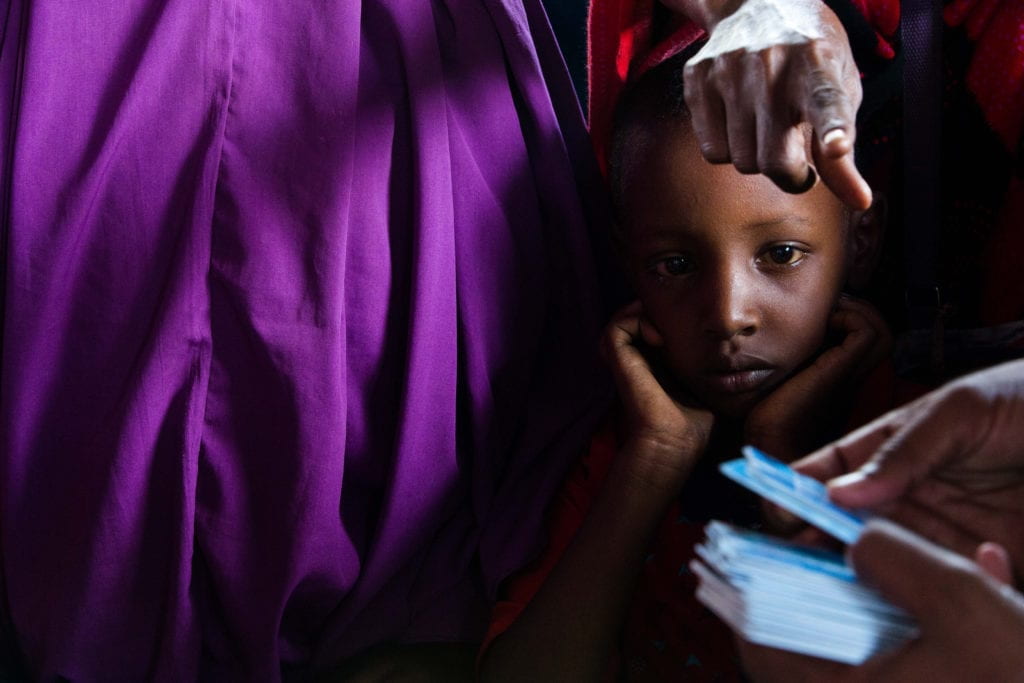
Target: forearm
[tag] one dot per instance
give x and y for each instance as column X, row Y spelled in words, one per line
column 571, row 626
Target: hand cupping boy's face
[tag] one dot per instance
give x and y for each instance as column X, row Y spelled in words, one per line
column 739, row 278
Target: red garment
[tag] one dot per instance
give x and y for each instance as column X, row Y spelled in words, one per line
column 996, row 73
column 995, row 77
column 667, row 634
column 622, row 45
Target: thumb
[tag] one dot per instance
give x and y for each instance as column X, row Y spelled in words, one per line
column 922, row 578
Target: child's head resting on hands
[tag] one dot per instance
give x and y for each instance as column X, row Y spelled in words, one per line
column 737, row 278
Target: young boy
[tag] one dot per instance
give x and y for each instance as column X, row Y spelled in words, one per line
column 741, row 334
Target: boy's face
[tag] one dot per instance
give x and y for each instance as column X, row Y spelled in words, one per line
column 737, row 276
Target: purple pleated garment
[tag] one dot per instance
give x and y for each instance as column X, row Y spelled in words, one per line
column 300, row 311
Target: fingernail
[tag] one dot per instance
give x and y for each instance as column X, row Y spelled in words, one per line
column 834, row 135
column 845, row 480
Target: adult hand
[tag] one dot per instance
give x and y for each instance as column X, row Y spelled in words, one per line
column 669, row 434
column 949, row 465
column 799, row 415
column 971, row 624
column 768, row 67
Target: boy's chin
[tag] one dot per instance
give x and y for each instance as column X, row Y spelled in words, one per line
column 732, row 406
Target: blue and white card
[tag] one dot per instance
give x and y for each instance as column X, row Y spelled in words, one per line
column 803, row 496
column 784, row 595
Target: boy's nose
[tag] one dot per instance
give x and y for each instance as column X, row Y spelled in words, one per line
column 732, row 306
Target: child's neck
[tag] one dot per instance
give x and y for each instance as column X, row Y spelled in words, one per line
column 710, row 495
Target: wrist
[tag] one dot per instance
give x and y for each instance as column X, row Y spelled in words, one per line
column 655, row 465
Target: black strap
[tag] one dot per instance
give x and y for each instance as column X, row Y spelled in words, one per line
column 921, row 34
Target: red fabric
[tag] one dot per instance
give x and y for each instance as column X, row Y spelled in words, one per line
column 884, row 16
column 995, row 77
column 668, row 634
column 996, row 74
column 567, row 513
column 621, row 47
column 1004, row 286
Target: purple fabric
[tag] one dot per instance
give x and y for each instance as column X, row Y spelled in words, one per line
column 299, row 322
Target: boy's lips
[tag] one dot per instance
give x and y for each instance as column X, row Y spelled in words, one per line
column 739, row 382
column 738, row 375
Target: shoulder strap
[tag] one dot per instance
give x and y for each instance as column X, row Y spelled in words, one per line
column 921, row 35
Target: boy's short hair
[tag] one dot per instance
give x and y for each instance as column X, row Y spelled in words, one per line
column 659, row 95
column 656, row 96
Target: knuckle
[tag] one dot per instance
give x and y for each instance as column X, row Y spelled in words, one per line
column 694, row 98
column 776, row 165
column 700, row 61
column 788, row 180
column 826, row 95
column 779, row 161
column 715, row 152
column 717, row 157
column 614, row 333
column 745, row 163
column 724, row 75
column 962, row 396
column 760, row 66
column 822, row 52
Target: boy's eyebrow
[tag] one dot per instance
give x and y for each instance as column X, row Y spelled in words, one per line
column 788, row 218
column 672, row 233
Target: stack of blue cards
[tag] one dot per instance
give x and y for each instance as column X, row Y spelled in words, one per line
column 788, row 596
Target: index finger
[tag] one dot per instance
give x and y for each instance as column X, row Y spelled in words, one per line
column 830, row 105
column 841, row 176
column 932, row 432
column 848, row 453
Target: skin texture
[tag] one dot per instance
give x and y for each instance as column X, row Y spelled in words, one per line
column 972, row 625
column 740, row 284
column 769, row 66
column 815, row 86
column 949, row 465
column 762, row 271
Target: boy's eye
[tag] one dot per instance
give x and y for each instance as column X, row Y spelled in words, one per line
column 674, row 266
column 785, row 255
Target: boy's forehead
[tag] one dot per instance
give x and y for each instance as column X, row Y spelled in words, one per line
column 668, row 183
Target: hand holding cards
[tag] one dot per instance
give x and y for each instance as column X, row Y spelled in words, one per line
column 788, row 596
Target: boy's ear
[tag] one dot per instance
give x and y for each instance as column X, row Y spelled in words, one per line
column 867, row 228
